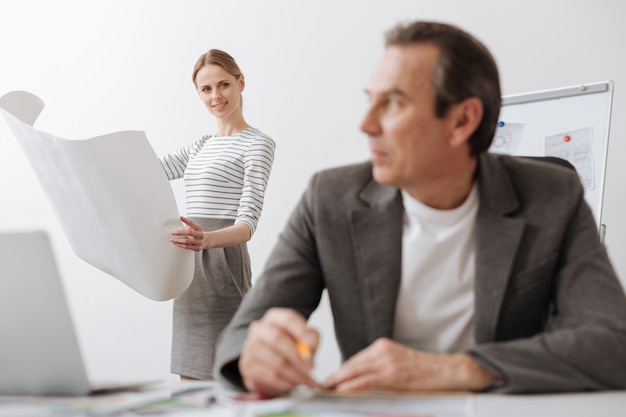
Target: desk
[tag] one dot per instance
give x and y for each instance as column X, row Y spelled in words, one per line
column 601, row 404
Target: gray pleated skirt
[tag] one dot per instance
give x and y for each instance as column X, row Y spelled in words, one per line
column 221, row 279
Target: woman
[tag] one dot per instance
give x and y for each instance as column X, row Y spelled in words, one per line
column 225, row 179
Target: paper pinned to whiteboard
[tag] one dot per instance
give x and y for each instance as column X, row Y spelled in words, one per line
column 507, row 138
column 112, row 199
column 575, row 146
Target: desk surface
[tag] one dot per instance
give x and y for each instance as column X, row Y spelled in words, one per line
column 603, row 404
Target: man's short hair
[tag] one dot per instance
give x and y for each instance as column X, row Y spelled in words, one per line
column 465, row 69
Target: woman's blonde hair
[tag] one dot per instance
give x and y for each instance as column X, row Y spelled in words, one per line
column 216, row 57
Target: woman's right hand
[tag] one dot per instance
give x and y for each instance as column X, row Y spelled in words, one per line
column 191, row 237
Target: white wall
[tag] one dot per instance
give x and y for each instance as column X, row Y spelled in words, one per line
column 104, row 66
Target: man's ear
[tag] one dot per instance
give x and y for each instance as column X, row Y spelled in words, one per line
column 465, row 118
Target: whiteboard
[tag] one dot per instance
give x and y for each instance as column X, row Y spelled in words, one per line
column 571, row 123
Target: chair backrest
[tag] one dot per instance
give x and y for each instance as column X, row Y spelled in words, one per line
column 553, row 159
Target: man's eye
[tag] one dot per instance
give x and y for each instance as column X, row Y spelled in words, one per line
column 392, row 104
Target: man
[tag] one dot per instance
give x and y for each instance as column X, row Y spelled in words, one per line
column 442, row 262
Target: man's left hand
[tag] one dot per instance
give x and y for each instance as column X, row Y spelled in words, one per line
column 386, row 364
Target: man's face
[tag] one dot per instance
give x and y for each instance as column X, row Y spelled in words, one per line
column 408, row 143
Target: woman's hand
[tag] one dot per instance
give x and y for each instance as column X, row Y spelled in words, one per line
column 191, row 237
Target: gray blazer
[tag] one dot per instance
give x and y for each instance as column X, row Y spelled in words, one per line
column 537, row 250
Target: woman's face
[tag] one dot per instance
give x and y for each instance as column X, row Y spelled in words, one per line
column 219, row 91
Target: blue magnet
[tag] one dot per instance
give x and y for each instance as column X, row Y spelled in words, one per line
column 500, row 123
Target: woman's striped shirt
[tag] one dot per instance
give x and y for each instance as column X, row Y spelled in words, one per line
column 225, row 177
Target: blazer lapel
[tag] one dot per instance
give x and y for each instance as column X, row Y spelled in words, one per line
column 377, row 234
column 497, row 241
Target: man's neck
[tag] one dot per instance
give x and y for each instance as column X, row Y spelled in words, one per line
column 449, row 192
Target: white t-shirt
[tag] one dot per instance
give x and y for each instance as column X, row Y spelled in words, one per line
column 435, row 308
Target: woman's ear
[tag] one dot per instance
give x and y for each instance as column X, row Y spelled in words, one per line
column 465, row 118
column 242, row 82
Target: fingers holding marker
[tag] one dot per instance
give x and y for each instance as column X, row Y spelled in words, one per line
column 304, row 350
column 305, row 338
column 266, row 370
column 277, row 354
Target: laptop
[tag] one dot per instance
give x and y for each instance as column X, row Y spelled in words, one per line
column 39, row 349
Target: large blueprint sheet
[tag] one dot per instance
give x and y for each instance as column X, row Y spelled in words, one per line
column 112, row 199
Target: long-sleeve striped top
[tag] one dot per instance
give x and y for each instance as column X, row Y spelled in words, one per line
column 225, row 177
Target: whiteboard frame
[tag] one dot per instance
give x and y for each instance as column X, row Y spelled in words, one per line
column 577, row 90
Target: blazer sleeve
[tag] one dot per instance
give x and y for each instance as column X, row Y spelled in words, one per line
column 588, row 351
column 292, row 278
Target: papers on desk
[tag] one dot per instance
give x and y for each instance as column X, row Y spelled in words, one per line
column 183, row 399
column 112, row 198
column 202, row 398
column 98, row 405
column 306, row 403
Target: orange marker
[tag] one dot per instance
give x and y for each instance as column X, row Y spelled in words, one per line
column 303, row 350
column 567, row 138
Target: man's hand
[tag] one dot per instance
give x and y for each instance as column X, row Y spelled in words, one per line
column 389, row 365
column 271, row 363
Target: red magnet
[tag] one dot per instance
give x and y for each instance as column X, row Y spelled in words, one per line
column 567, row 138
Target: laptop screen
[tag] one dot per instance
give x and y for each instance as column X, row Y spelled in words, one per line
column 39, row 349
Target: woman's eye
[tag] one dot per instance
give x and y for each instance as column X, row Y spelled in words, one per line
column 224, row 85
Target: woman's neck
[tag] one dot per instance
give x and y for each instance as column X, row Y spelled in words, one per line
column 231, row 127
